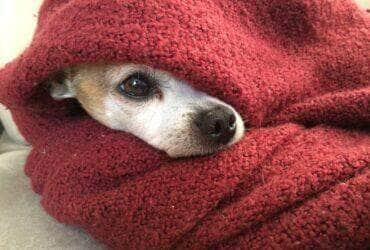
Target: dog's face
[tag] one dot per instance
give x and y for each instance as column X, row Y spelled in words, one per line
column 160, row 109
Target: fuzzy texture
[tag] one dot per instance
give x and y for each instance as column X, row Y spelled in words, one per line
column 296, row 70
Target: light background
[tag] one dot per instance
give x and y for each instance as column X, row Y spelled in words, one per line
column 17, row 22
column 18, row 19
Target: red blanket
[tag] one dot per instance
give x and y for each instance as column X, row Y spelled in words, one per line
column 296, row 70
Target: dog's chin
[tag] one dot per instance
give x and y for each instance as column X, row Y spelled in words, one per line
column 188, row 152
column 198, row 147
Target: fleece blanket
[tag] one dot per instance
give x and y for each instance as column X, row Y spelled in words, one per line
column 298, row 73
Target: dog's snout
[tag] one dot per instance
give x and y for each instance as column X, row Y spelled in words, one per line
column 217, row 124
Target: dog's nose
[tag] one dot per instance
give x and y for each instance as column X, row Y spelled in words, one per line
column 217, row 124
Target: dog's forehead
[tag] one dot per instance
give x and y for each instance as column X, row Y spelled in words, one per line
column 89, row 73
column 116, row 73
column 107, row 75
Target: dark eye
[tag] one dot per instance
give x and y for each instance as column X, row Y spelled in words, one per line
column 136, row 86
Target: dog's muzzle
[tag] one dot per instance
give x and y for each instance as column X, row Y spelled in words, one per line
column 217, row 125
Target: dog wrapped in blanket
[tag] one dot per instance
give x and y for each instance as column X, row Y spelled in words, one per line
column 296, row 71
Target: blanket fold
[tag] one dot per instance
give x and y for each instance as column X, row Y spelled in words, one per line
column 296, row 70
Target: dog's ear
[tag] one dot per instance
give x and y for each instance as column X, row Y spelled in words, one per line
column 61, row 85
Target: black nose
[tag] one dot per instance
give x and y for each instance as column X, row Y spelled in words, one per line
column 217, row 124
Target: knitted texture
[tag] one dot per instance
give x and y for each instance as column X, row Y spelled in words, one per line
column 296, row 70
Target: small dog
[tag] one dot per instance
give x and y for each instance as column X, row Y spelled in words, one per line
column 153, row 105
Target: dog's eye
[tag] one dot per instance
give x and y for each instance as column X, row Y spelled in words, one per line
column 136, row 86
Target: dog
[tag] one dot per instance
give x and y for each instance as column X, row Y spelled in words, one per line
column 162, row 110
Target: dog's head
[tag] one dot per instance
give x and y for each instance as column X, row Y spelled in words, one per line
column 153, row 105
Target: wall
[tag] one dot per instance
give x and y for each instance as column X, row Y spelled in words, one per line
column 17, row 21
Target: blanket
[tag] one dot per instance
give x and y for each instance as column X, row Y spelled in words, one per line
column 296, row 70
